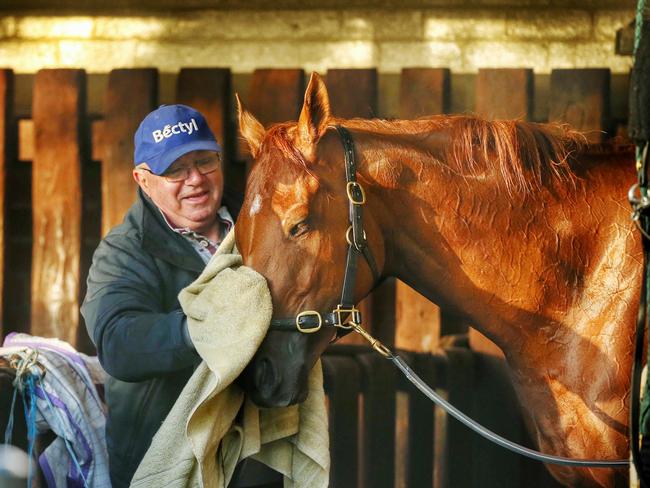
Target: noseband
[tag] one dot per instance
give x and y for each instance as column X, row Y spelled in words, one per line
column 345, row 316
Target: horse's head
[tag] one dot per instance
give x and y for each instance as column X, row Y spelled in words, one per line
column 292, row 229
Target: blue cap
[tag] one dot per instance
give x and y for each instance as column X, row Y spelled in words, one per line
column 169, row 132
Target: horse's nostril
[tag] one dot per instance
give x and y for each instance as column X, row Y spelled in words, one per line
column 266, row 377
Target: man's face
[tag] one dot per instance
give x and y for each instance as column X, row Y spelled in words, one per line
column 192, row 202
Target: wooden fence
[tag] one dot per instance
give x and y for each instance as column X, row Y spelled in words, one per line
column 65, row 180
column 385, row 434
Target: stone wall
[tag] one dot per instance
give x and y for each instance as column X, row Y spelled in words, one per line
column 461, row 39
column 463, row 36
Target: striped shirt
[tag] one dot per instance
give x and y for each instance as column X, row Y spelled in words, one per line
column 204, row 246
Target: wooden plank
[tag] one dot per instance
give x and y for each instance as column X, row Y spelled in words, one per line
column 378, row 384
column 384, row 310
column 457, row 459
column 7, row 155
column 417, row 321
column 580, row 97
column 208, row 90
column 91, row 232
column 18, row 247
column 424, row 91
column 96, row 139
column 59, row 105
column 352, row 92
column 26, row 140
column 123, row 114
column 496, row 407
column 342, row 383
column 275, row 95
column 421, row 427
column 504, row 93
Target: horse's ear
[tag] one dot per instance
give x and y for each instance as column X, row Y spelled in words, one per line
column 315, row 113
column 251, row 130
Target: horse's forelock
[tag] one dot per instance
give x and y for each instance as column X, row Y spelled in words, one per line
column 277, row 154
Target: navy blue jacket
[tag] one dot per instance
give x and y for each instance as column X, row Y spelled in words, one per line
column 134, row 318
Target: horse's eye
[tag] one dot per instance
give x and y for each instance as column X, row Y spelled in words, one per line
column 299, row 229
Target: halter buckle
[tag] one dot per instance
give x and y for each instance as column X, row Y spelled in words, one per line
column 309, row 313
column 350, row 188
column 348, row 322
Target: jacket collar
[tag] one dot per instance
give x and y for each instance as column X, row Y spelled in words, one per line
column 159, row 240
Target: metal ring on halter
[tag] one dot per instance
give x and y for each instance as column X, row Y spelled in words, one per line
column 349, row 188
column 351, row 319
column 347, row 238
column 635, row 197
column 307, row 313
column 639, row 203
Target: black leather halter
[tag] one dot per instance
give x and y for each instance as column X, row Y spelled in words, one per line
column 345, row 314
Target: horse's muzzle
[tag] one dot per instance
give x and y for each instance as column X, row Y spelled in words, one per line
column 266, row 386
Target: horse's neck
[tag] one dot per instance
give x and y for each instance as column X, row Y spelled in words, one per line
column 515, row 265
column 552, row 278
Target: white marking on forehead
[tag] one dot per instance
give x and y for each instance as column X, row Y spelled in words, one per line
column 256, row 206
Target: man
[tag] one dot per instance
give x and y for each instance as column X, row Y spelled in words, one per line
column 131, row 308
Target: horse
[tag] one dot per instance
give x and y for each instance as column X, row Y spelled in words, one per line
column 521, row 228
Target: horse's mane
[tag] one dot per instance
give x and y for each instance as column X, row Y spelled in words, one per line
column 525, row 155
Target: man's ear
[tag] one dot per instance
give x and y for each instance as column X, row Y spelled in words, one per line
column 314, row 116
column 142, row 179
column 251, row 130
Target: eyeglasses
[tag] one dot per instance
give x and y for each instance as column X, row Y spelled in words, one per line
column 181, row 173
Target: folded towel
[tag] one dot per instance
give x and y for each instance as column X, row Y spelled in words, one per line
column 203, row 437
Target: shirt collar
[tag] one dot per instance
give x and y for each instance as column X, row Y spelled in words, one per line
column 223, row 216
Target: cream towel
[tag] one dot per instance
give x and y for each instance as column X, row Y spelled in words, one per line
column 199, row 443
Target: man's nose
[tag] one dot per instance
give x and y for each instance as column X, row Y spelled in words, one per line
column 194, row 175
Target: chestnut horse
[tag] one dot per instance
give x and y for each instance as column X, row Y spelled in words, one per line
column 519, row 227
